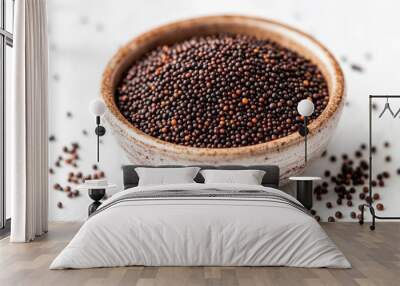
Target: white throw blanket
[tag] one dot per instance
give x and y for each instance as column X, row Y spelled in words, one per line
column 200, row 230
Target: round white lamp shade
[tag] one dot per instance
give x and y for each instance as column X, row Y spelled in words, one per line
column 305, row 107
column 97, row 107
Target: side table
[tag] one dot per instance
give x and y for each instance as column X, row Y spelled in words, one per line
column 304, row 190
column 96, row 193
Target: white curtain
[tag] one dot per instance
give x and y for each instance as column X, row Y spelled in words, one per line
column 27, row 122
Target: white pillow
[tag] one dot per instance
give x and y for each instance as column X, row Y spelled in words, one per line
column 248, row 177
column 165, row 176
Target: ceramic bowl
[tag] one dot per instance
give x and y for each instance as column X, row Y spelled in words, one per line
column 286, row 152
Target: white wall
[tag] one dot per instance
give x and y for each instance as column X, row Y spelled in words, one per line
column 84, row 34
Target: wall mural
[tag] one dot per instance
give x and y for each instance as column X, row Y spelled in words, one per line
column 222, row 96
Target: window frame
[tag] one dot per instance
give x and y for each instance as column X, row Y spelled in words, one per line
column 6, row 39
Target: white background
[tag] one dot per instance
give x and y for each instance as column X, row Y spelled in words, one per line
column 84, row 34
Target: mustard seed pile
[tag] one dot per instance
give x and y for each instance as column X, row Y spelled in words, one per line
column 220, row 91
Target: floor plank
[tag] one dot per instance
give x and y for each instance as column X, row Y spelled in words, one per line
column 375, row 257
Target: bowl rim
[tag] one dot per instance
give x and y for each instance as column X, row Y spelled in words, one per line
column 332, row 107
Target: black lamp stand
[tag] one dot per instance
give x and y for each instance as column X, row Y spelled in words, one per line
column 100, row 131
column 96, row 195
column 304, row 193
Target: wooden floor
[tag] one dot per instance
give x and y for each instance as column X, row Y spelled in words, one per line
column 375, row 257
